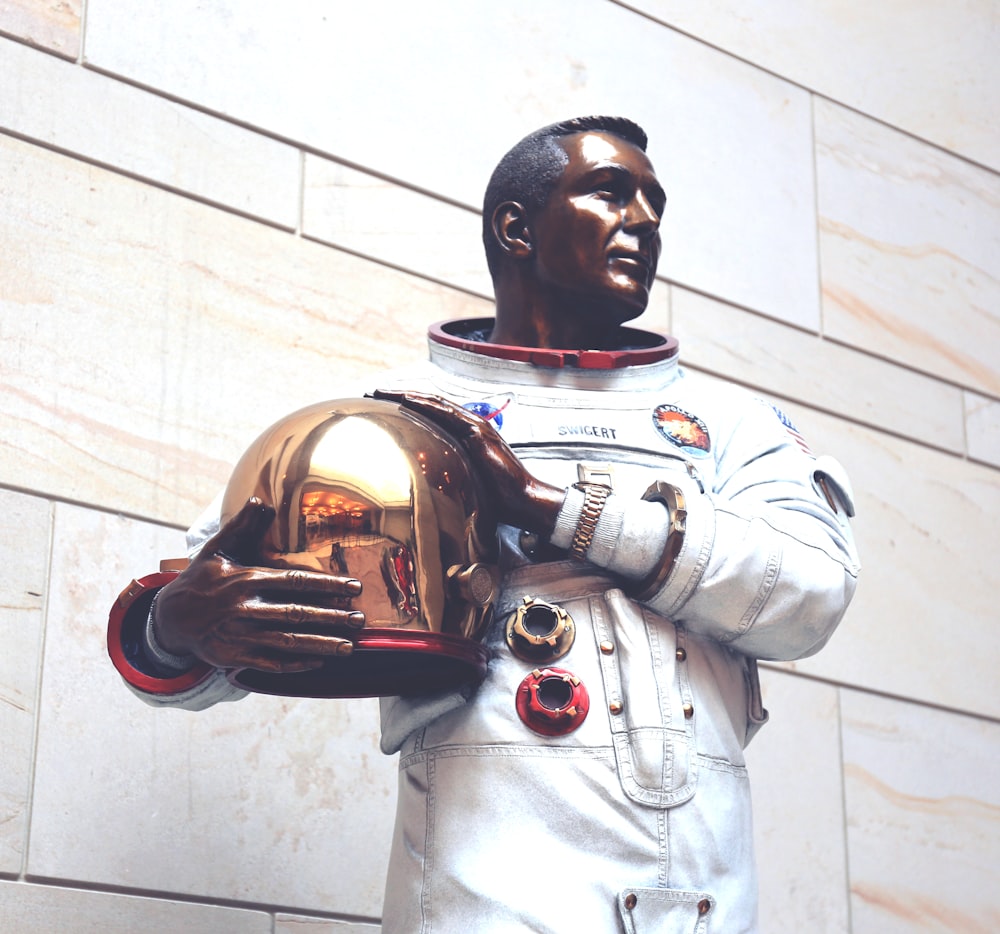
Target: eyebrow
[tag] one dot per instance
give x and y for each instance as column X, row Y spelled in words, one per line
column 616, row 168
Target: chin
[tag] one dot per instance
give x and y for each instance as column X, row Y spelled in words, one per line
column 607, row 315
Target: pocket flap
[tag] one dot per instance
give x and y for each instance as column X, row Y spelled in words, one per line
column 665, row 911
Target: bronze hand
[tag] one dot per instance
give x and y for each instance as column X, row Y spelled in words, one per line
column 235, row 616
column 521, row 499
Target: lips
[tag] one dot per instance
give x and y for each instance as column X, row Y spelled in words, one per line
column 639, row 260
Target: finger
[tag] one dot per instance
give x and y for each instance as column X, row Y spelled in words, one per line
column 298, row 582
column 297, row 617
column 297, row 643
column 241, row 534
column 427, row 404
column 461, row 424
column 284, row 666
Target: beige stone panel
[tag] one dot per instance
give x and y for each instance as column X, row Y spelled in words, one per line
column 101, row 119
column 788, row 362
column 294, row 924
column 923, row 817
column 929, row 68
column 923, row 623
column 909, row 250
column 265, row 801
column 431, row 101
column 378, row 218
column 44, row 909
column 795, row 773
column 148, row 338
column 51, row 24
column 982, row 427
column 25, row 527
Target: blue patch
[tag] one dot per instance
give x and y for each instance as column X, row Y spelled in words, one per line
column 488, row 411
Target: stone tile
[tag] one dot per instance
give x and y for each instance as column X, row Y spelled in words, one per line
column 148, row 339
column 50, row 24
column 99, row 118
column 266, row 801
column 929, row 68
column 910, row 250
column 733, row 144
column 43, row 909
column 788, row 362
column 294, row 924
column 25, row 527
column 923, row 623
column 385, row 221
column 982, row 428
column 923, row 829
column 795, row 773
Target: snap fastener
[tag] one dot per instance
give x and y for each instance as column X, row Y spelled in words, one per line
column 608, row 648
column 616, row 707
column 681, row 654
column 704, row 906
column 630, row 901
column 688, row 711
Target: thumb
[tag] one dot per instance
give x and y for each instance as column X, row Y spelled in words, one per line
column 239, row 538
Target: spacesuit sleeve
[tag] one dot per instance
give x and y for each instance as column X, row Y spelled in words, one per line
column 143, row 664
column 768, row 563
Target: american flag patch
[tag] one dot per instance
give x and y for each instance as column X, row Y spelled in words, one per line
column 792, row 430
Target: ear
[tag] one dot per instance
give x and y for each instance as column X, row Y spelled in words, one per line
column 510, row 227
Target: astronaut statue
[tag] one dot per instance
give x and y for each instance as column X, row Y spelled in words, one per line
column 657, row 537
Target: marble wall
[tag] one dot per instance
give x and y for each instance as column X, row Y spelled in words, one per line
column 211, row 214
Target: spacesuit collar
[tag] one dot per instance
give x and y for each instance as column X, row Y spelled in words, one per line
column 461, row 347
column 638, row 347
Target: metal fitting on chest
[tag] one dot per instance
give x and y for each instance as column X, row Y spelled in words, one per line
column 538, row 631
column 552, row 701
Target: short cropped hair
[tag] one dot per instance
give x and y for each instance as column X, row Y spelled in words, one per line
column 529, row 171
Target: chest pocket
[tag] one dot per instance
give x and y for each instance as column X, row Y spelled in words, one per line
column 646, row 684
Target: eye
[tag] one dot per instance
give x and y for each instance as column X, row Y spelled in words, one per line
column 609, row 189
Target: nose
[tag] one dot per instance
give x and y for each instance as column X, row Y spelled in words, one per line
column 640, row 215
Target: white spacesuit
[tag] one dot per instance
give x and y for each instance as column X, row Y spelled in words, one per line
column 623, row 804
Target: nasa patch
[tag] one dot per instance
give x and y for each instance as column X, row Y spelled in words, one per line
column 489, row 411
column 683, row 430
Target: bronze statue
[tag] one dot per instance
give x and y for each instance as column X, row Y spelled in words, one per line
column 657, row 536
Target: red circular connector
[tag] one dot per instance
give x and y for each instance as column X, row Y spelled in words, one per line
column 552, row 701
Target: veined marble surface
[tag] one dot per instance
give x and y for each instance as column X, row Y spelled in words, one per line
column 923, row 622
column 149, row 339
column 267, row 800
column 54, row 25
column 784, row 361
column 39, row 909
column 25, row 531
column 103, row 120
column 377, row 218
column 983, row 428
column 923, row 817
column 798, row 801
column 930, row 68
column 731, row 142
column 909, row 250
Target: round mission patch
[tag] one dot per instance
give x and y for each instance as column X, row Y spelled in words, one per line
column 683, row 430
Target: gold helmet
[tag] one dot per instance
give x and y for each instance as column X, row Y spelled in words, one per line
column 363, row 488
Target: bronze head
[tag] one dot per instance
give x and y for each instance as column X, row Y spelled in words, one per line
column 570, row 224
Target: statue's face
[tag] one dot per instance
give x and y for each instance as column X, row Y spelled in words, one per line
column 597, row 238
